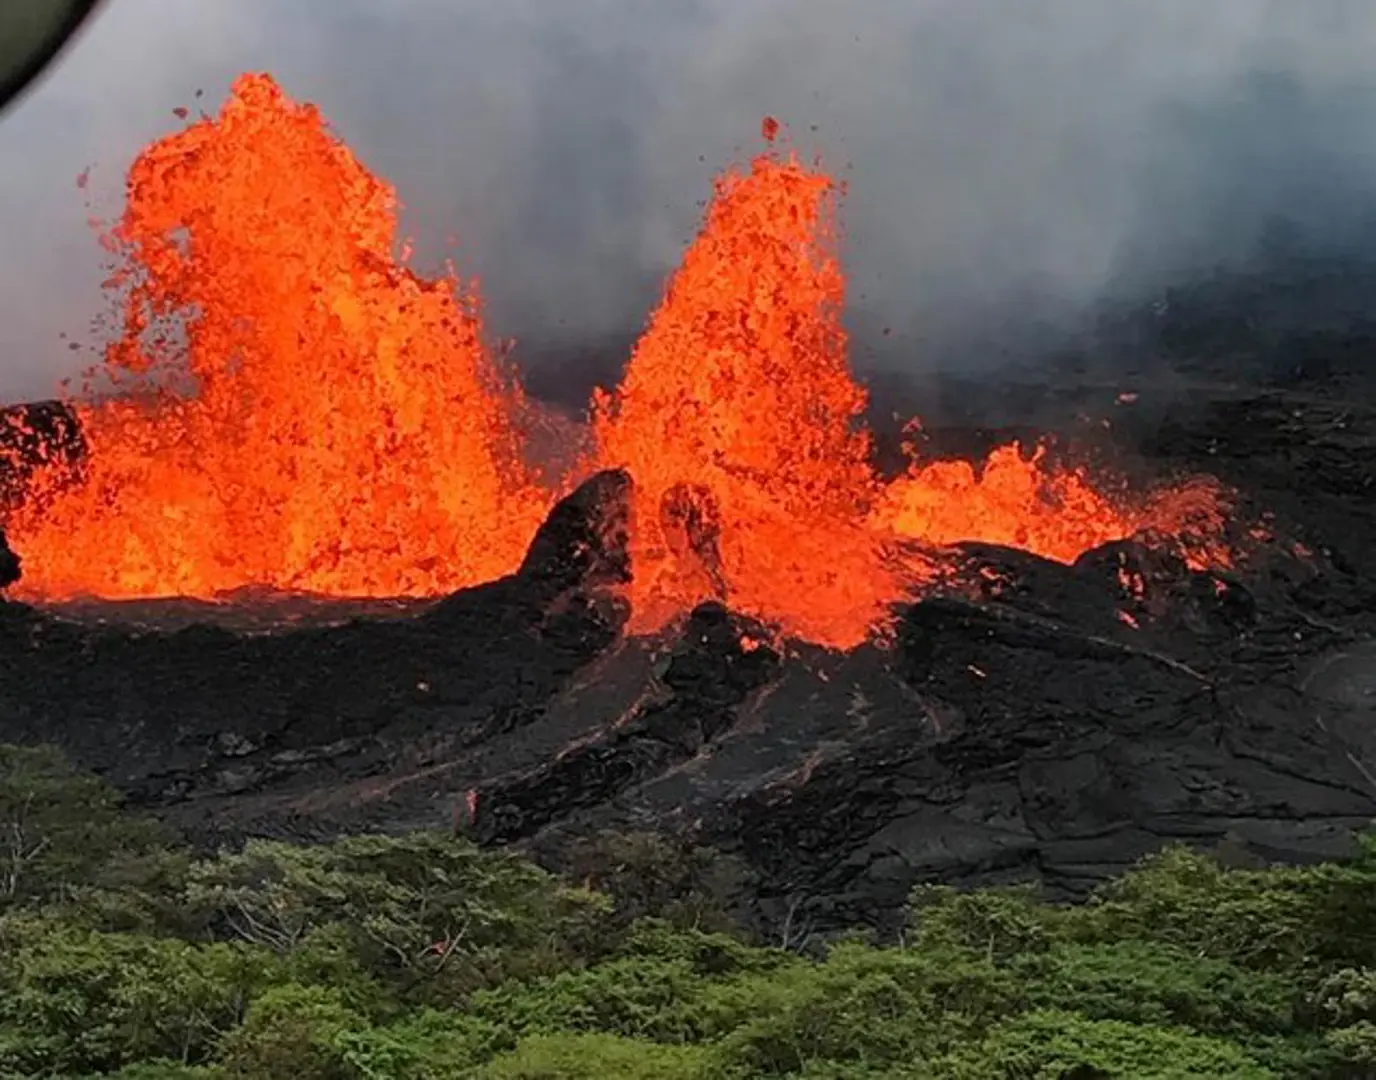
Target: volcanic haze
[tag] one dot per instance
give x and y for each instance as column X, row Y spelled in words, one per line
column 1007, row 169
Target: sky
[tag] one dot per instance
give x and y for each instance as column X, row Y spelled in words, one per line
column 1009, row 164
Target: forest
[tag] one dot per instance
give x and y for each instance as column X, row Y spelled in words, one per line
column 127, row 952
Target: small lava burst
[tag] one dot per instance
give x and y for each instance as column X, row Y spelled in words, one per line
column 290, row 407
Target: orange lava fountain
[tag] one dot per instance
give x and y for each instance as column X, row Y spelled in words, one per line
column 346, row 432
column 739, row 395
column 324, row 420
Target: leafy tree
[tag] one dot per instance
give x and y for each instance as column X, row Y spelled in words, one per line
column 429, row 911
column 167, row 1070
column 1347, row 1001
column 73, row 1000
column 293, row 1032
column 424, row 1044
column 1284, row 918
column 1146, row 983
column 657, row 986
column 637, row 998
column 650, row 875
column 707, row 953
column 61, row 829
column 1054, row 1044
column 1353, row 1047
column 421, row 957
column 999, row 922
column 862, row 1006
column 597, row 1057
column 1348, row 996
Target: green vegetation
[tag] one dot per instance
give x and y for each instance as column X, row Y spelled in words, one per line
column 122, row 953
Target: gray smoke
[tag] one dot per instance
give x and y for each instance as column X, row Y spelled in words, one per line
column 1011, row 164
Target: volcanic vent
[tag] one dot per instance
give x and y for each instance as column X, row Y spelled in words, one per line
column 720, row 618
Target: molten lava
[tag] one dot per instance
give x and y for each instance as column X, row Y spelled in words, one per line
column 1020, row 500
column 741, row 387
column 299, row 411
column 319, row 418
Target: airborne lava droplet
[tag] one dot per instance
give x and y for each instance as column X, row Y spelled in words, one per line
column 297, row 410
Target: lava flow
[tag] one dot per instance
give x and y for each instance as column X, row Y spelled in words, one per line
column 313, row 416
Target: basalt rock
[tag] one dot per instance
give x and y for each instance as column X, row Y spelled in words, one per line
column 9, row 563
column 583, row 544
column 687, row 706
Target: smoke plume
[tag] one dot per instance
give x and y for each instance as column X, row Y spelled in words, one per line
column 1010, row 166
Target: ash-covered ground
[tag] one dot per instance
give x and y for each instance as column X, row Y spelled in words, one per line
column 1036, row 721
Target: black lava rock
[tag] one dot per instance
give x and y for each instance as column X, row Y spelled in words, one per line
column 9, row 563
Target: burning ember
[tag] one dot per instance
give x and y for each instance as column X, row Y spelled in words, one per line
column 296, row 410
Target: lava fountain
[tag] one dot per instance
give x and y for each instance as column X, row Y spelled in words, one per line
column 297, row 410
column 311, row 415
column 739, row 395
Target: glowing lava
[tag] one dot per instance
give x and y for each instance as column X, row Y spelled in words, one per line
column 1019, row 499
column 740, row 392
column 316, row 417
column 344, row 431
